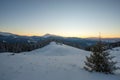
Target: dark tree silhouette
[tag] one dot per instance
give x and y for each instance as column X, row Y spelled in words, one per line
column 100, row 60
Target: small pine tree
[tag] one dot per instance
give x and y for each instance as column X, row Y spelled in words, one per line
column 100, row 60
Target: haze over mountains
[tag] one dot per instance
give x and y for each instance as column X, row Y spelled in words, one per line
column 28, row 43
column 50, row 35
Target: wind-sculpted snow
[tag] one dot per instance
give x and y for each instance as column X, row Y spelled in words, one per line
column 52, row 62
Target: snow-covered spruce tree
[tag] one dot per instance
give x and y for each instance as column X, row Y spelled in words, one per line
column 100, row 60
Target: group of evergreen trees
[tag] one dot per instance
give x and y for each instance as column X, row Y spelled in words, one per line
column 17, row 47
column 28, row 46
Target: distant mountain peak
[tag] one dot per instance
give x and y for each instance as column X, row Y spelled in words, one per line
column 48, row 35
column 6, row 34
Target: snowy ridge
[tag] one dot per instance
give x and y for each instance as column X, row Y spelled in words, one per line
column 57, row 49
column 52, row 62
column 6, row 34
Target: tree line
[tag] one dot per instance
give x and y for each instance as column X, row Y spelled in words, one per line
column 17, row 47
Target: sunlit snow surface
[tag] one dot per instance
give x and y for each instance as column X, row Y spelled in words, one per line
column 52, row 62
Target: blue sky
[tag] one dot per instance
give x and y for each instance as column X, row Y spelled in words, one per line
column 77, row 18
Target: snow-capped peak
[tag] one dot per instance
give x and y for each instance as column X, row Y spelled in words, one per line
column 6, row 34
column 48, row 35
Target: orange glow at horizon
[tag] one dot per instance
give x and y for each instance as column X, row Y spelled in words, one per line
column 79, row 36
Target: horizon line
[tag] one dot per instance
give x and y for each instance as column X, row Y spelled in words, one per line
column 94, row 37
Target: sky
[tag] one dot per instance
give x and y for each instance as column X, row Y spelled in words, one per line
column 71, row 18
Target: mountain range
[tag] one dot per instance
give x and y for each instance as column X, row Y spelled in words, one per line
column 34, row 42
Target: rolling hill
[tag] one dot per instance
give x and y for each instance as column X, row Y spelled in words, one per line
column 55, row 61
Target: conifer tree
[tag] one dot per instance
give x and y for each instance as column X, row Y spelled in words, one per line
column 100, row 60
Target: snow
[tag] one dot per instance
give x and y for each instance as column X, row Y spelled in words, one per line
column 56, row 49
column 49, row 35
column 52, row 62
column 4, row 41
column 5, row 34
column 116, row 52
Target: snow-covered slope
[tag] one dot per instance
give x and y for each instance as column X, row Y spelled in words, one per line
column 57, row 49
column 52, row 62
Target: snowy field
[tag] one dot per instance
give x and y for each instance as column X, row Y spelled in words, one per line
column 52, row 62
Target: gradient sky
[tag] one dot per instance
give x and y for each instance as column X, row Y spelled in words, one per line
column 77, row 18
